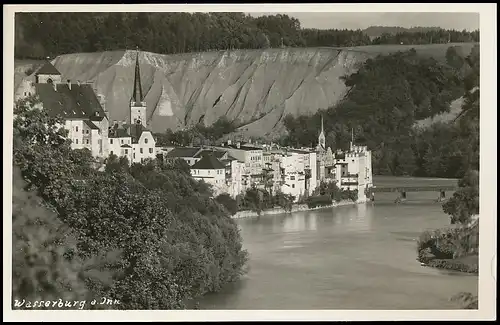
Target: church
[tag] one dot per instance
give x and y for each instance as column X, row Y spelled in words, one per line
column 87, row 120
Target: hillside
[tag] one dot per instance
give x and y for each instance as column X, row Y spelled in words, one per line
column 258, row 88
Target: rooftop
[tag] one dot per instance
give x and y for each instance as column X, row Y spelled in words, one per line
column 208, row 162
column 48, row 68
column 78, row 102
column 216, row 153
column 183, row 152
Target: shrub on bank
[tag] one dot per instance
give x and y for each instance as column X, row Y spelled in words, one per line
column 318, row 201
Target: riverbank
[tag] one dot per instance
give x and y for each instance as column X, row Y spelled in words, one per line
column 295, row 208
column 453, row 248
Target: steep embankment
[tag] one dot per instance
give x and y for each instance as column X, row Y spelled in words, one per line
column 255, row 87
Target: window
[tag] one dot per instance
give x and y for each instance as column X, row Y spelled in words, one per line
column 110, row 141
column 87, row 141
column 76, row 141
column 145, row 140
column 353, row 160
column 122, row 141
column 141, row 150
column 150, row 150
column 209, row 172
column 126, row 151
column 87, row 131
column 111, row 152
column 292, row 178
column 76, row 128
column 293, row 185
column 24, row 93
column 134, row 155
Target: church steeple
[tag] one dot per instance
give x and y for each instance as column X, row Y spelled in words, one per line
column 137, row 94
column 137, row 104
column 321, row 137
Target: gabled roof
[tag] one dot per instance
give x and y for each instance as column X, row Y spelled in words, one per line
column 91, row 125
column 208, row 162
column 47, row 68
column 78, row 102
column 216, row 153
column 183, row 152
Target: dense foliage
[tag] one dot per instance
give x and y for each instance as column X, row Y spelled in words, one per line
column 171, row 241
column 197, row 135
column 386, row 96
column 258, row 200
column 431, row 36
column 38, row 35
column 328, row 192
column 465, row 201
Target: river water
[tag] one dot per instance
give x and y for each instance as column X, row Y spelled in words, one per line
column 351, row 257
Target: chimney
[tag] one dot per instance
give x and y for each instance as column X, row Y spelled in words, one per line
column 69, row 83
column 238, row 145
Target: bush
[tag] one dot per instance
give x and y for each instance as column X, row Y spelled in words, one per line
column 465, row 201
column 228, row 202
column 318, row 201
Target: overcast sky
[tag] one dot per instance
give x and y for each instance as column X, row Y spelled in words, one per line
column 362, row 20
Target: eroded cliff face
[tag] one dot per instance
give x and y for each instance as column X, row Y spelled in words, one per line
column 257, row 88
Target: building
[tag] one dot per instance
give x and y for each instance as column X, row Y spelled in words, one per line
column 210, row 170
column 353, row 170
column 83, row 112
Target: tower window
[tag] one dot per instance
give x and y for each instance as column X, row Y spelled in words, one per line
column 76, row 141
column 87, row 141
column 76, row 128
column 145, row 140
column 141, row 150
column 126, row 151
column 150, row 150
column 110, row 141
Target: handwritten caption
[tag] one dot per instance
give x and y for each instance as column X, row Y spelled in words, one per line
column 59, row 303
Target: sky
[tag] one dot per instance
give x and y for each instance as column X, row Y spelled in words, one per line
column 362, row 20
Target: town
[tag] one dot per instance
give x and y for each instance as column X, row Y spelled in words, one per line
column 229, row 167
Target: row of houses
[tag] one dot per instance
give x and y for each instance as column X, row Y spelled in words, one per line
column 234, row 168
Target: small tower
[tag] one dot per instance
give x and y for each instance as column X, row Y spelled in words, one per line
column 137, row 103
column 321, row 137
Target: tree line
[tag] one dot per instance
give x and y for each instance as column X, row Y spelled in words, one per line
column 386, row 96
column 38, row 35
column 146, row 235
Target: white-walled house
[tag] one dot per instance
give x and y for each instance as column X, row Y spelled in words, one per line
column 83, row 112
column 211, row 171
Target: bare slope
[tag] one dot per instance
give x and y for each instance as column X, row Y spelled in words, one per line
column 255, row 87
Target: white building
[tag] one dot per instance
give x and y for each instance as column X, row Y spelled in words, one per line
column 210, row 170
column 83, row 112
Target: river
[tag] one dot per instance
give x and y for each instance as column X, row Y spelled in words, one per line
column 350, row 257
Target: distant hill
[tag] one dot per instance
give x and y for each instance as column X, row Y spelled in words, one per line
column 255, row 87
column 376, row 31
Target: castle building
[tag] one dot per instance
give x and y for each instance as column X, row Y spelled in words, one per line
column 84, row 113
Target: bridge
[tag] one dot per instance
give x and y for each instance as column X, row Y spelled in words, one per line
column 402, row 190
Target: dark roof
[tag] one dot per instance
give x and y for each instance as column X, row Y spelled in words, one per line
column 208, row 162
column 126, row 146
column 91, row 125
column 246, row 148
column 118, row 133
column 298, row 151
column 182, row 152
column 48, row 68
column 216, row 153
column 135, row 131
column 137, row 93
column 79, row 102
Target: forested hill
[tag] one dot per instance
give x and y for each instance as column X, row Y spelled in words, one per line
column 386, row 96
column 38, row 35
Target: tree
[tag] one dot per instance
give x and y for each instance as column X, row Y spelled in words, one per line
column 465, row 201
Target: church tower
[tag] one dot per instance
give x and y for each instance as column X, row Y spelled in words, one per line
column 137, row 103
column 321, row 138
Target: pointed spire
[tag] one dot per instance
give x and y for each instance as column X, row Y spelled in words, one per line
column 137, row 94
column 322, row 129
